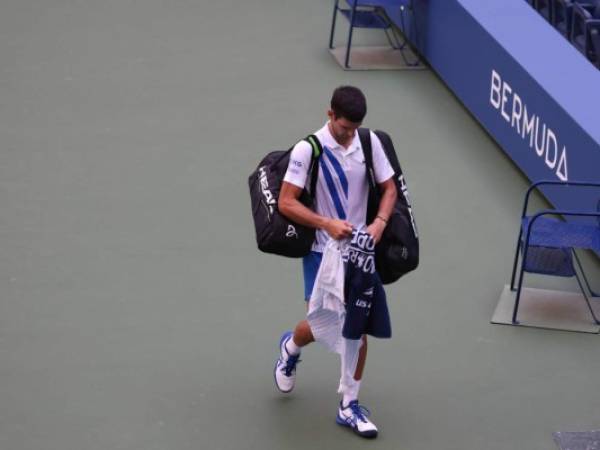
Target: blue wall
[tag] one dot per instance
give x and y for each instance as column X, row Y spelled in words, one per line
column 533, row 92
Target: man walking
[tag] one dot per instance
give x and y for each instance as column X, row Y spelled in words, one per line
column 340, row 206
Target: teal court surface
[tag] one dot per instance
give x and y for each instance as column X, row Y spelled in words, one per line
column 136, row 311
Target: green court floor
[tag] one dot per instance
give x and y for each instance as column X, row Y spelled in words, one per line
column 135, row 310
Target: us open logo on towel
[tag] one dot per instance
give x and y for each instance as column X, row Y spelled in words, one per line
column 363, row 303
column 366, row 303
column 361, row 251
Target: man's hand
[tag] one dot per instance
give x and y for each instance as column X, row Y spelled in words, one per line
column 376, row 229
column 338, row 229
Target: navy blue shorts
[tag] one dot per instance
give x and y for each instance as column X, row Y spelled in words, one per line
column 310, row 266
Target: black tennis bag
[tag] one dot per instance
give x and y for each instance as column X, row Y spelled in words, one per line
column 275, row 233
column 397, row 253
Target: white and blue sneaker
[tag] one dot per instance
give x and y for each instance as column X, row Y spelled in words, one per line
column 355, row 416
column 285, row 366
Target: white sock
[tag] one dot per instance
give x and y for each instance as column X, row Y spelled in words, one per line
column 291, row 347
column 350, row 392
column 349, row 387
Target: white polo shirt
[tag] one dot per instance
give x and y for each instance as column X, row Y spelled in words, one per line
column 342, row 188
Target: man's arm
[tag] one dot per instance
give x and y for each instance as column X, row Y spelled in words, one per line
column 386, row 206
column 290, row 207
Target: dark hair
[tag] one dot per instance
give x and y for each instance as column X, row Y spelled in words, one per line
column 350, row 103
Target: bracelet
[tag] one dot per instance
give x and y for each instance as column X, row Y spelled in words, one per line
column 379, row 217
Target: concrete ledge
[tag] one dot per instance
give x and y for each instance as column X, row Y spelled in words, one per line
column 376, row 58
column 541, row 308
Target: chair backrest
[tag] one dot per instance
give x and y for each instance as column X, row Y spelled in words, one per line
column 544, row 8
column 595, row 44
column 561, row 17
column 584, row 10
column 542, row 4
column 580, row 16
column 587, row 3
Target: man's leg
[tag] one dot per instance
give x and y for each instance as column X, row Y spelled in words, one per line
column 291, row 343
column 290, row 347
column 350, row 413
column 350, row 382
column 303, row 334
column 362, row 360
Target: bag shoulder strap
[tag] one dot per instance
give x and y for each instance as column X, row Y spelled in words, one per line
column 317, row 151
column 364, row 135
column 389, row 150
column 374, row 197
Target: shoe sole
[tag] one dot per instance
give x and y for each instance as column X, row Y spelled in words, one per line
column 284, row 336
column 366, row 434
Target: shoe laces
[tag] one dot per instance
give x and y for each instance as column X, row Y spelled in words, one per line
column 359, row 411
column 290, row 364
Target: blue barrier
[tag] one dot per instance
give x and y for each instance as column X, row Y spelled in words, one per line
column 529, row 88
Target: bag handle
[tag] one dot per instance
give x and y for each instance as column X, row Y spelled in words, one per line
column 314, row 166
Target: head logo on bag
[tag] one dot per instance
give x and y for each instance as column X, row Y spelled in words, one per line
column 276, row 233
column 291, row 232
column 404, row 190
column 397, row 253
column 264, row 185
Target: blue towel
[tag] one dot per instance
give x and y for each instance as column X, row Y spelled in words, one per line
column 366, row 305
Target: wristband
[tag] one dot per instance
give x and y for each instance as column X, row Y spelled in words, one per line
column 379, row 217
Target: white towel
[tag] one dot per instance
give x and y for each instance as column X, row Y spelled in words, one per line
column 326, row 311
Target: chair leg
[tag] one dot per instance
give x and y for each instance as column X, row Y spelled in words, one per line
column 521, row 276
column 402, row 10
column 519, row 288
column 335, row 10
column 587, row 300
column 393, row 39
column 591, row 291
column 404, row 39
column 514, row 271
column 349, row 43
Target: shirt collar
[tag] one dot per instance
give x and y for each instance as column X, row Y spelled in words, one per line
column 330, row 142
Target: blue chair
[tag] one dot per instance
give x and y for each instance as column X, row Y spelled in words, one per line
column 562, row 14
column 544, row 7
column 595, row 41
column 586, row 17
column 385, row 15
column 547, row 245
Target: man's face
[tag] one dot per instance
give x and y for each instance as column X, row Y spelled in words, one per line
column 342, row 129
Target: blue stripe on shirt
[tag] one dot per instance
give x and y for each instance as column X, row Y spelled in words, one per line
column 333, row 191
column 339, row 170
